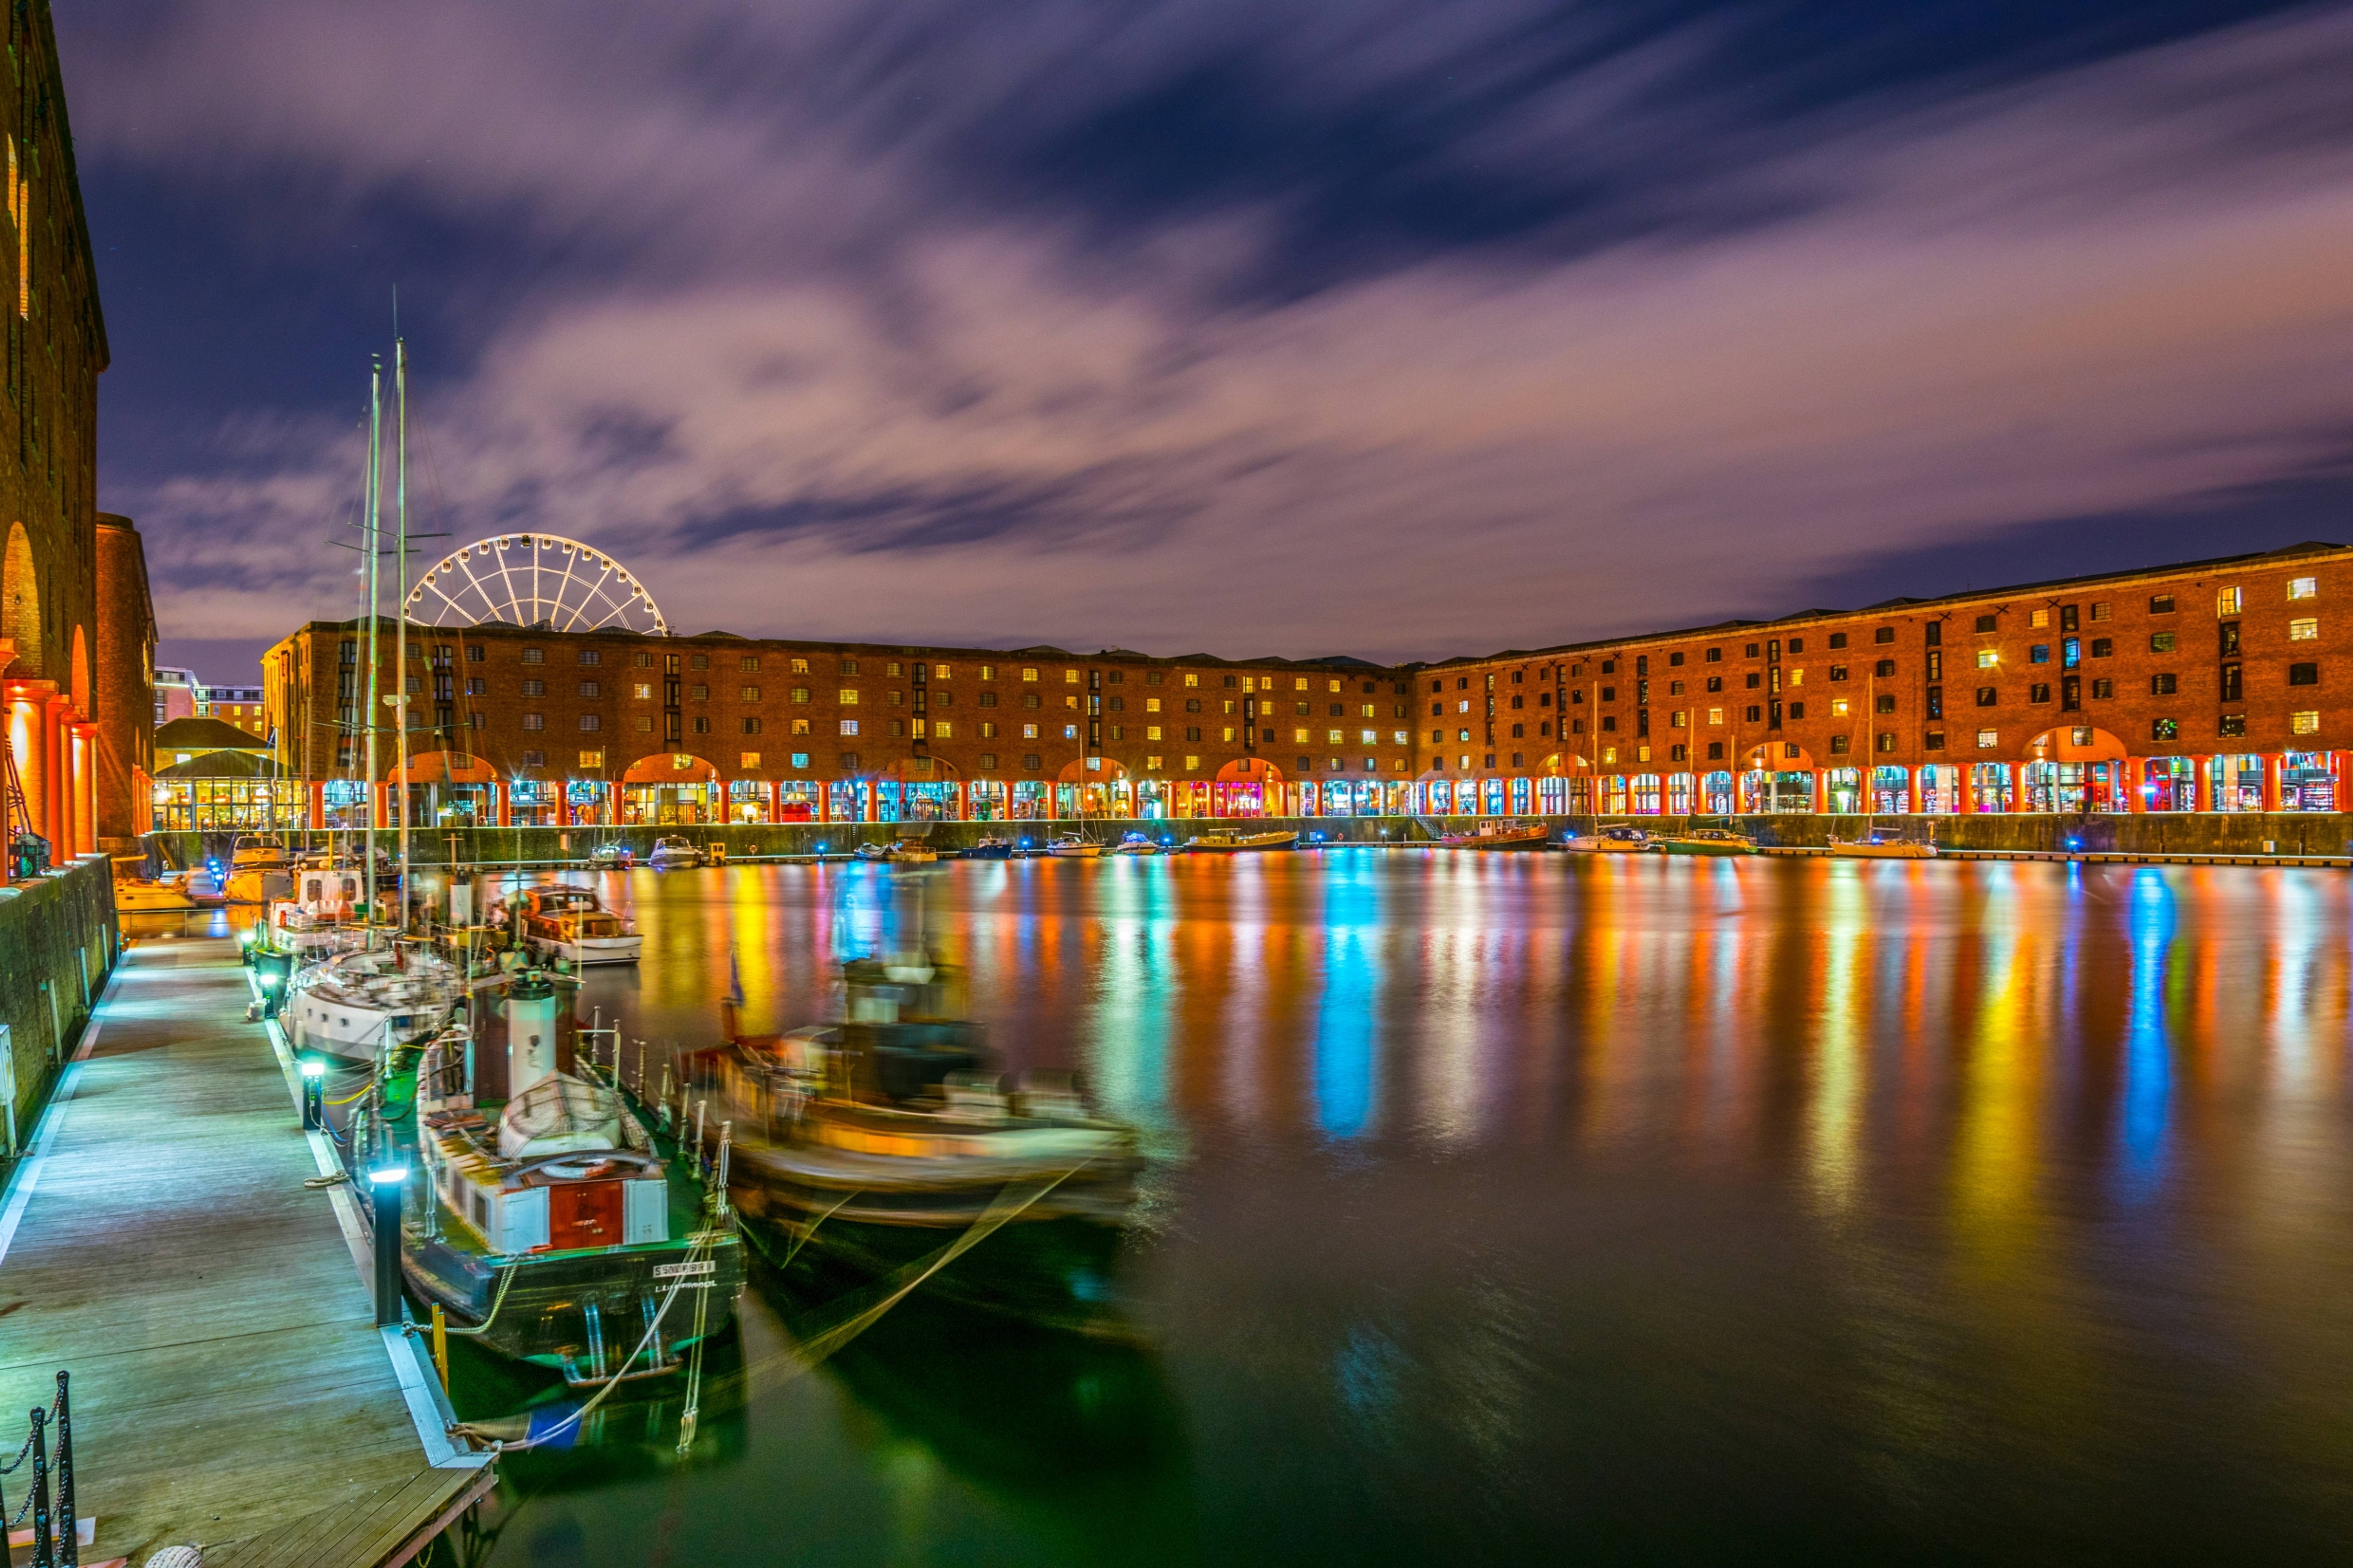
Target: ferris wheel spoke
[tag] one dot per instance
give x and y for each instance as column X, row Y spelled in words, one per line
column 593, row 592
column 490, row 602
column 564, row 588
column 589, row 591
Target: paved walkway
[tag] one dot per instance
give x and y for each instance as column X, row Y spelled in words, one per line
column 230, row 1387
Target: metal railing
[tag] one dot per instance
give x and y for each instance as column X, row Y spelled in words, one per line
column 55, row 1533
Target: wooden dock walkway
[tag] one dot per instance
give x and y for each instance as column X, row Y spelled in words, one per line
column 230, row 1389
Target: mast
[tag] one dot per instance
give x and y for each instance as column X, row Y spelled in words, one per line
column 400, row 551
column 368, row 713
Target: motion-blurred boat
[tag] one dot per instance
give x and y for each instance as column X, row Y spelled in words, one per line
column 1616, row 840
column 1240, row 843
column 1071, row 846
column 1498, row 836
column 563, row 923
column 673, row 853
column 1136, row 844
column 1877, row 847
column 1704, row 841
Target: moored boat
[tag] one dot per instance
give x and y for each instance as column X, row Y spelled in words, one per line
column 613, row 856
column 1498, row 836
column 1877, row 847
column 1136, row 844
column 878, row 1145
column 673, row 853
column 361, row 1006
column 989, row 848
column 1617, row 838
column 1071, row 846
column 571, row 925
column 1704, row 841
column 1240, row 843
column 910, row 851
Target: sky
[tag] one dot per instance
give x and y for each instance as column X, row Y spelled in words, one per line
column 1281, row 328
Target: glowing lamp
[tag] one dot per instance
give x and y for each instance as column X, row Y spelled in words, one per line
column 389, row 1175
column 314, row 1069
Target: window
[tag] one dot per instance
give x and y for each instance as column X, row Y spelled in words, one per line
column 644, row 726
column 534, row 720
column 2233, row 682
column 534, row 655
column 2160, row 642
column 1031, row 762
column 1884, row 668
column 700, row 693
column 590, row 656
column 2160, row 604
column 1030, row 700
column 1752, row 651
column 1884, row 703
column 1753, row 680
column 534, row 759
column 1837, row 706
column 1754, row 714
column 700, row 661
column 589, row 688
column 2039, row 691
column 2102, row 647
column 534, row 689
column 1838, row 640
column 849, row 726
column 642, row 692
column 2234, row 724
column 1934, row 740
column 751, row 726
column 2102, row 611
column 800, row 759
column 591, row 721
column 1028, row 732
column 847, row 697
column 1884, row 634
column 850, row 667
column 2039, row 653
column 1300, row 737
column 942, row 728
column 2303, row 588
column 1070, row 677
column 2305, row 723
column 801, row 726
column 1989, row 657
column 2038, row 619
column 2304, row 629
column 643, row 661
column 987, row 729
column 1714, row 656
column 1152, row 731
column 2227, row 602
column 592, row 758
column 1336, row 737
column 1715, row 715
column 1399, row 738
column 1987, row 740
column 2304, row 675
column 2104, row 688
column 1029, row 673
column 2229, row 631
column 702, row 724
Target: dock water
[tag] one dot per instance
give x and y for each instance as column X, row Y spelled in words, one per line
column 230, row 1389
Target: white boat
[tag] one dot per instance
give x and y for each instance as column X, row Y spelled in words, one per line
column 359, row 1004
column 673, row 853
column 139, row 897
column 910, row 851
column 1136, row 844
column 612, row 856
column 259, row 851
column 573, row 926
column 258, row 884
column 1070, row 847
column 1242, row 843
column 1620, row 838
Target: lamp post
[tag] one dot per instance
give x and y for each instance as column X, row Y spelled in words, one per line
column 314, row 1090
column 384, row 1184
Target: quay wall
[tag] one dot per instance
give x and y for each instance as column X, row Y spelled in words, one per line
column 2183, row 832
column 58, row 942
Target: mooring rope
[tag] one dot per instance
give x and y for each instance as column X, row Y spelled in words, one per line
column 484, row 1327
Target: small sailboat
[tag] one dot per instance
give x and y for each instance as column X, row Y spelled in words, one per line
column 361, row 1006
column 1072, row 847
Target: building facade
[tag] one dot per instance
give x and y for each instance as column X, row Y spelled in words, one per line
column 125, row 685
column 238, row 705
column 2210, row 686
column 56, row 350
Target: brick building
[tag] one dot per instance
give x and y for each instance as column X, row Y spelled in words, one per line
column 238, row 705
column 50, row 602
column 2205, row 686
column 126, row 682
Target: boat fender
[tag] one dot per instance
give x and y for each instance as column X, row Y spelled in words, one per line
column 177, row 1557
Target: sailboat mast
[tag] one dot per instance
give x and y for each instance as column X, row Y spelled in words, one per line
column 400, row 552
column 368, row 713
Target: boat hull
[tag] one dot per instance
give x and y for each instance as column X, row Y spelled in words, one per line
column 579, row 1314
column 589, row 951
column 1258, row 846
column 1673, row 846
column 150, row 898
column 1534, row 839
column 1884, row 851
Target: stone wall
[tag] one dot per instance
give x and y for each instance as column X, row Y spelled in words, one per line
column 58, row 943
column 2282, row 833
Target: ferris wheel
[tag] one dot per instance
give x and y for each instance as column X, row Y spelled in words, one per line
column 540, row 580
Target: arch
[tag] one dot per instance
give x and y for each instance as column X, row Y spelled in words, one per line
column 670, row 768
column 445, row 767
column 79, row 689
column 20, row 600
column 2061, row 745
column 1106, row 769
column 1780, row 757
column 1249, row 770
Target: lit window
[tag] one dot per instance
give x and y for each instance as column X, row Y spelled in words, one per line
column 1334, row 737
column 1191, row 680
column 849, row 726
column 1152, row 765
column 2038, row 619
column 1369, row 737
column 2303, row 587
column 747, row 694
column 1152, row 731
column 1192, row 764
column 801, row 726
column 1070, row 677
column 1070, row 731
column 1715, row 715
column 534, row 720
column 800, row 759
column 1227, row 733
column 2304, row 629
column 2102, row 610
column 847, row 698
column 1299, row 684
column 1028, row 732
column 592, row 758
column 1462, row 735
column 1152, row 705
column 1030, row 673
column 1837, row 706
column 1987, row 740
column 748, row 760
column 2226, row 603
column 942, row 728
column 2160, row 642
column 1300, row 737
column 1987, row 657
column 2305, row 723
column 1398, row 738
column 1463, row 706
column 800, row 667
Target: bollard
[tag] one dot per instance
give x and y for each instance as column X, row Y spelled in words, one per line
column 314, row 1094
column 44, row 1552
column 441, row 1345
column 386, row 1182
column 71, row 1554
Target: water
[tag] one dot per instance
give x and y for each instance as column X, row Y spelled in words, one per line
column 1509, row 1208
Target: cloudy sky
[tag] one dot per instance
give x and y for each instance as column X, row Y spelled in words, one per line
column 1292, row 327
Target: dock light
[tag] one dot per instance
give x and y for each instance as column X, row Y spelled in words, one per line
column 384, row 1183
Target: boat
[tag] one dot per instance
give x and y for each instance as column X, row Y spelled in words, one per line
column 361, row 1006
column 612, row 857
column 259, row 851
column 326, row 915
column 673, row 853
column 202, row 884
column 1242, row 843
column 1071, row 846
column 872, row 852
column 989, row 849
column 1618, row 838
column 140, row 896
column 1704, row 841
column 1499, row 835
column 559, row 1230
column 570, row 925
column 910, row 851
column 1136, row 844
column 1880, row 848
column 870, row 1146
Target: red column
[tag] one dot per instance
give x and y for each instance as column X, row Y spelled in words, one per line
column 2203, row 799
column 2135, row 780
column 502, row 807
column 2274, row 766
column 2017, row 773
column 318, row 803
column 1913, row 802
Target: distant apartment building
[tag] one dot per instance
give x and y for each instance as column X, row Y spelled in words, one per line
column 176, row 694
column 238, row 705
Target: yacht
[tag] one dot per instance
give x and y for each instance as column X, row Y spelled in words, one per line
column 1240, row 843
column 674, row 853
column 571, row 925
column 359, row 1005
